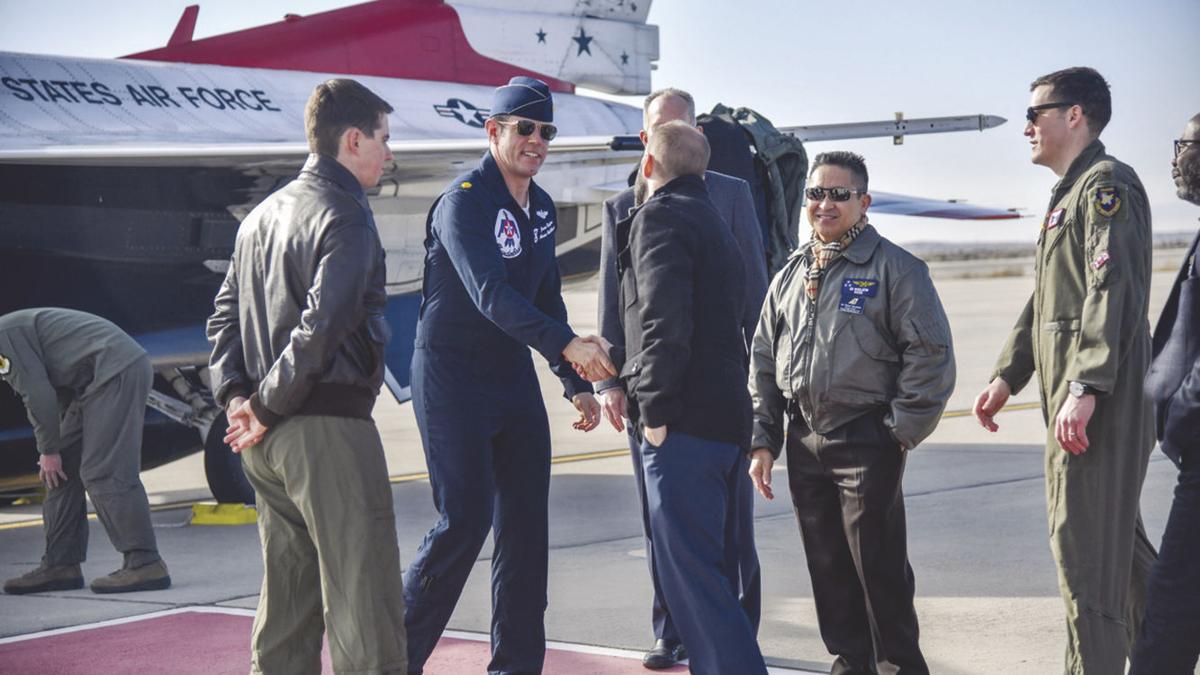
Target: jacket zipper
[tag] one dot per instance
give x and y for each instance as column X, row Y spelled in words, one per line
column 810, row 322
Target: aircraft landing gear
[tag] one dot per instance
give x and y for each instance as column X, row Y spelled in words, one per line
column 190, row 404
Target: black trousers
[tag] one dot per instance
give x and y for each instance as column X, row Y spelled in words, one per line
column 846, row 491
column 1169, row 643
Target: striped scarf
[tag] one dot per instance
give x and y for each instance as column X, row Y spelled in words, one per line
column 825, row 254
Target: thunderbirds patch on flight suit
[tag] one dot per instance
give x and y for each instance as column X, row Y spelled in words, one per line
column 508, row 235
column 1107, row 201
column 855, row 293
column 5, row 365
column 542, row 213
column 1054, row 219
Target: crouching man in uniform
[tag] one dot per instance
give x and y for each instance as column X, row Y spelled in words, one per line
column 853, row 350
column 683, row 366
column 84, row 383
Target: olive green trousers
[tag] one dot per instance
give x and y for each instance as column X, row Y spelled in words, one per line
column 330, row 559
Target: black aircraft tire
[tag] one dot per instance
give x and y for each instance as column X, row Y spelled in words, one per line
column 223, row 468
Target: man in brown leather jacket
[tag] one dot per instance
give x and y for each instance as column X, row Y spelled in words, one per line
column 297, row 362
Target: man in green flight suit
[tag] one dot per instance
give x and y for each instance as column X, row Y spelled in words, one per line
column 1085, row 332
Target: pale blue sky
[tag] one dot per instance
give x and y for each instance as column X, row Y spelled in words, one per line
column 802, row 62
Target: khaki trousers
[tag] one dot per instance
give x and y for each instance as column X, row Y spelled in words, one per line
column 330, row 557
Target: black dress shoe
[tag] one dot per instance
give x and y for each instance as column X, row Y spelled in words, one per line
column 665, row 654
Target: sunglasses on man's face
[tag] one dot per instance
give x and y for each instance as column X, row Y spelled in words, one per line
column 1181, row 145
column 837, row 194
column 1033, row 111
column 527, row 127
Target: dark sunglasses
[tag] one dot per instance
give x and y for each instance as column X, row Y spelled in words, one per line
column 526, row 127
column 1031, row 113
column 1181, row 145
column 837, row 194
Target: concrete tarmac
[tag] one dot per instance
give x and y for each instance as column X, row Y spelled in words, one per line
column 987, row 594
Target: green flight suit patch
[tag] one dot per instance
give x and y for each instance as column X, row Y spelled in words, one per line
column 1107, row 201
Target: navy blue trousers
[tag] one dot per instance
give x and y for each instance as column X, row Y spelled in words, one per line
column 691, row 490
column 1169, row 641
column 743, row 565
column 487, row 446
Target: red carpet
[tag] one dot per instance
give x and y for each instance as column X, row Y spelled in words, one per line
column 208, row 642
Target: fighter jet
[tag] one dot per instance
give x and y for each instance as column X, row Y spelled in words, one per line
column 122, row 181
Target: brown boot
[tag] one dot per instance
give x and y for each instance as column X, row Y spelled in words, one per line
column 46, row 578
column 152, row 577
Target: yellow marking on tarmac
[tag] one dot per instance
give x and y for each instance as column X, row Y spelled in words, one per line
column 212, row 513
column 171, row 506
column 559, row 459
column 1032, row 405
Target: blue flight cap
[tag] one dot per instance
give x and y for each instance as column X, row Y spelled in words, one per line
column 524, row 96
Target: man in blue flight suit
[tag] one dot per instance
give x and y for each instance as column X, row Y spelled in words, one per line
column 491, row 291
column 733, row 201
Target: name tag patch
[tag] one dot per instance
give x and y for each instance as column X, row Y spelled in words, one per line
column 508, row 235
column 543, row 231
column 855, row 293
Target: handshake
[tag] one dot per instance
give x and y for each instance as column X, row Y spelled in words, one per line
column 590, row 358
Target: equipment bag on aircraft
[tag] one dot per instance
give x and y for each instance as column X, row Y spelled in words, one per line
column 776, row 172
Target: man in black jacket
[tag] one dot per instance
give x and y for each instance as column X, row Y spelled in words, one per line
column 684, row 365
column 1167, row 643
column 732, row 200
column 298, row 336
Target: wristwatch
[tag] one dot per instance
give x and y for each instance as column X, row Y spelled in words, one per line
column 1078, row 389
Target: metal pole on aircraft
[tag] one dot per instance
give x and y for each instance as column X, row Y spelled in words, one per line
column 897, row 128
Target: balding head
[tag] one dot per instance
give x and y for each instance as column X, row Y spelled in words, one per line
column 667, row 105
column 676, row 149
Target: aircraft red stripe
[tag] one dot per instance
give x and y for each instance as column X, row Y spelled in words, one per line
column 411, row 39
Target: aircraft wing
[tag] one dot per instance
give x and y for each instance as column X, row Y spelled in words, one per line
column 185, row 346
column 241, row 154
column 887, row 202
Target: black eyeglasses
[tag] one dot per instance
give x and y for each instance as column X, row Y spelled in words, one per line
column 1031, row 113
column 837, row 194
column 526, row 128
column 1181, row 145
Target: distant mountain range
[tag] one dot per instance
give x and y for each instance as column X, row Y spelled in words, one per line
column 957, row 250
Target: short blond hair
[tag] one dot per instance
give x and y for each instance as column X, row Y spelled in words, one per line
column 679, row 149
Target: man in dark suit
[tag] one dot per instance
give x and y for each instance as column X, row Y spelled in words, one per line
column 732, row 200
column 1167, row 643
column 683, row 364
